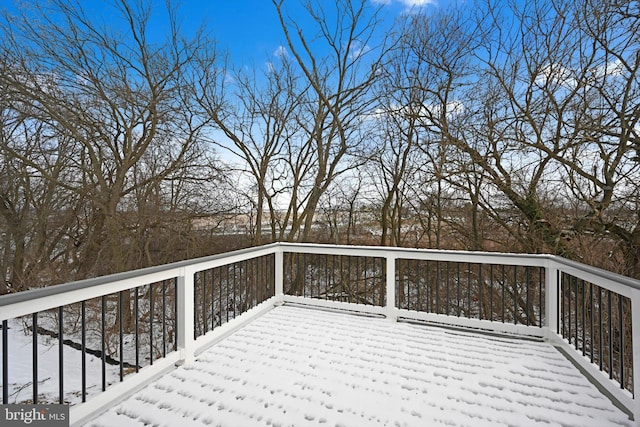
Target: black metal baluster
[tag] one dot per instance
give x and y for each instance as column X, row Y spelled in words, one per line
column 220, row 294
column 357, row 294
column 447, row 298
column 600, row 340
column 205, row 324
column 562, row 299
column 342, row 291
column 468, row 290
column 103, row 328
column 584, row 318
column 458, row 289
column 272, row 276
column 226, row 293
column 152, row 311
column 247, row 281
column 610, row 340
column 418, row 285
column 504, row 286
column 213, row 305
column 175, row 313
column 621, row 343
column 408, row 283
column 577, row 311
column 366, row 288
column 60, row 356
column 235, row 289
column 136, row 308
column 480, row 286
column 326, row 276
column 491, row 292
column 591, row 326
column 402, row 283
column 528, row 285
column 241, row 287
column 5, row 362
column 570, row 309
column 559, row 302
column 438, row 287
column 121, row 335
column 540, row 301
column 83, row 338
column 244, row 273
column 196, row 323
column 515, row 294
column 164, row 315
column 289, row 258
column 428, row 281
column 34, row 355
column 258, row 279
column 348, row 281
column 258, row 275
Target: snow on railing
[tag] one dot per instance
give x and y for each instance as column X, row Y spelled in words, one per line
column 93, row 341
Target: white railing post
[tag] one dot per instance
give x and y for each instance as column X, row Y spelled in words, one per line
column 551, row 297
column 279, row 275
column 390, row 307
column 635, row 331
column 186, row 342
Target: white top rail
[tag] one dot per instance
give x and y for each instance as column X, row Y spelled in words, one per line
column 22, row 303
column 35, row 300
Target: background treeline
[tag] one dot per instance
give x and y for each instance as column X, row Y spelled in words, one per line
column 506, row 127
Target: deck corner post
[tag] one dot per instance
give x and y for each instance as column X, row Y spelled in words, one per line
column 391, row 311
column 551, row 296
column 279, row 274
column 186, row 340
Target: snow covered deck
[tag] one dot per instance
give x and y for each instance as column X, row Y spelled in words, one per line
column 298, row 366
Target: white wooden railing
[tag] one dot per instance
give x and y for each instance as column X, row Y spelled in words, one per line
column 591, row 314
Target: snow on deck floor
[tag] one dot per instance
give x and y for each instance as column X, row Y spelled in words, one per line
column 303, row 367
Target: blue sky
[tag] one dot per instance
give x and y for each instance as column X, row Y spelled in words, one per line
column 249, row 29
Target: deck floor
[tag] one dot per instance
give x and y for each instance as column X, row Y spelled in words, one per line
column 303, row 367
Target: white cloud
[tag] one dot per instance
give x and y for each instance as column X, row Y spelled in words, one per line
column 424, row 112
column 417, row 3
column 358, row 49
column 270, row 67
column 613, row 68
column 280, row 52
column 557, row 75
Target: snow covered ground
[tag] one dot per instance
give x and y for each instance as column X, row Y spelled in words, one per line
column 20, row 378
column 303, row 367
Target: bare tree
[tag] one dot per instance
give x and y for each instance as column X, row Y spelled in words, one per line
column 548, row 95
column 296, row 126
column 117, row 109
column 339, row 63
column 258, row 128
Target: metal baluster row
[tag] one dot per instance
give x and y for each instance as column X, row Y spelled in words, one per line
column 69, row 324
column 487, row 291
column 582, row 306
column 223, row 293
column 350, row 279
